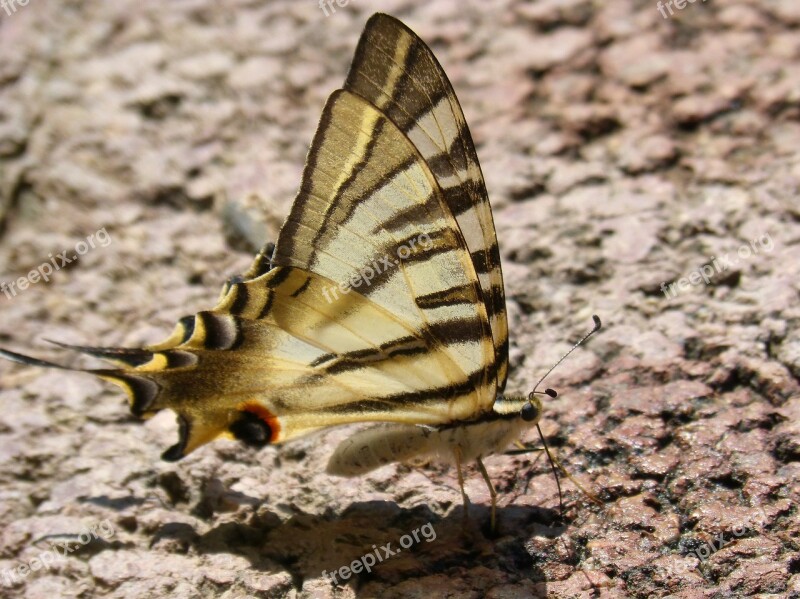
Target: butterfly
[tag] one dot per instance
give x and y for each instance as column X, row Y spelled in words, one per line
column 382, row 300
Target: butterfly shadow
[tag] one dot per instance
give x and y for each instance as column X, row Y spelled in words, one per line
column 387, row 544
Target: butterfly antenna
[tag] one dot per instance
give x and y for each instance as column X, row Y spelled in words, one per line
column 528, row 412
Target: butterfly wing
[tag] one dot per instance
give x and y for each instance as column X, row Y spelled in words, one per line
column 370, row 218
column 397, row 72
column 374, row 305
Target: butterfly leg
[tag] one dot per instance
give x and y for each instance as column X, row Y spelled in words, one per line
column 464, row 498
column 262, row 263
column 556, row 465
column 492, row 491
column 522, row 449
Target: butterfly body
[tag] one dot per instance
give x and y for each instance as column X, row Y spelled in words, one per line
column 471, row 440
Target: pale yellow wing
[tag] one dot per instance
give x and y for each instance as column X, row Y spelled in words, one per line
column 397, row 72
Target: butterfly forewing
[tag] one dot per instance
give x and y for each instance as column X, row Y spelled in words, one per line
column 396, row 71
column 349, row 224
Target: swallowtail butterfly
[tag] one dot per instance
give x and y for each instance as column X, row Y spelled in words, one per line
column 382, row 300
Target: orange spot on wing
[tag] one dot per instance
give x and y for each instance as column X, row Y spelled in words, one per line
column 264, row 414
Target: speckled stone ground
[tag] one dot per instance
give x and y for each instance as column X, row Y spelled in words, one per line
column 622, row 150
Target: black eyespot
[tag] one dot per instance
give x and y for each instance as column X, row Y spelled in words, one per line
column 251, row 430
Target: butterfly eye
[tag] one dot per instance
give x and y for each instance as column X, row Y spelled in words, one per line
column 251, row 430
column 529, row 412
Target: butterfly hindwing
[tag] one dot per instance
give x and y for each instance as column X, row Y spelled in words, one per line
column 345, row 361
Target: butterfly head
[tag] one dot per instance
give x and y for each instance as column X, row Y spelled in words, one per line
column 529, row 408
column 532, row 408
